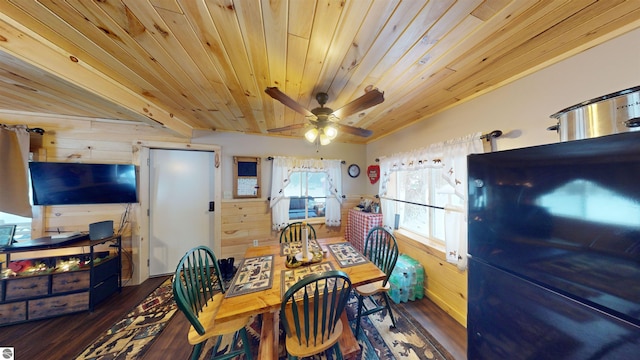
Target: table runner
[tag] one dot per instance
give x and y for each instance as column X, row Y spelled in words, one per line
column 254, row 274
column 347, row 255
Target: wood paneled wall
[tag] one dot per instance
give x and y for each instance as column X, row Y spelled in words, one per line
column 444, row 283
column 244, row 221
column 86, row 141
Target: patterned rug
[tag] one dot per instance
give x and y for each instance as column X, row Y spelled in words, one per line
column 408, row 340
column 132, row 336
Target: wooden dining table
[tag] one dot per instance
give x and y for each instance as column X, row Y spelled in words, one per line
column 268, row 301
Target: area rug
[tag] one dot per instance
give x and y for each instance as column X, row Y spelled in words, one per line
column 130, row 337
column 408, row 340
column 134, row 334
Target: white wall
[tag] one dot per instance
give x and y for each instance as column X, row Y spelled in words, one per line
column 236, row 144
column 522, row 108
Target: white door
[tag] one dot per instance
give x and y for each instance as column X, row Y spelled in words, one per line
column 181, row 186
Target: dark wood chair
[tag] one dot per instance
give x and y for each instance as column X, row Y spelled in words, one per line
column 198, row 291
column 293, row 232
column 310, row 314
column 382, row 249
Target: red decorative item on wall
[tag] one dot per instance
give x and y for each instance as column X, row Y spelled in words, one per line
column 373, row 172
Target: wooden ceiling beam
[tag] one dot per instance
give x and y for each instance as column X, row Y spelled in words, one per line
column 27, row 46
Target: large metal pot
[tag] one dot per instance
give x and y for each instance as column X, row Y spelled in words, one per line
column 609, row 114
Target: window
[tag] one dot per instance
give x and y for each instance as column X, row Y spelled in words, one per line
column 421, row 197
column 23, row 224
column 318, row 182
column 306, row 192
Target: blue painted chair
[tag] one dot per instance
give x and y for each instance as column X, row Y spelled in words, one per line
column 381, row 249
column 198, row 291
column 310, row 314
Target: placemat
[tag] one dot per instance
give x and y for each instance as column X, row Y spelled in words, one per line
column 347, row 255
column 292, row 276
column 255, row 274
column 294, row 247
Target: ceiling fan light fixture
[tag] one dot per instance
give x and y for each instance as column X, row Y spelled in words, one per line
column 311, row 135
column 324, row 119
column 324, row 139
column 330, row 131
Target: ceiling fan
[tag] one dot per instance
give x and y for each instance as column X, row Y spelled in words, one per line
column 323, row 120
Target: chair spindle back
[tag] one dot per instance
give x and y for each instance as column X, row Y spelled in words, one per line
column 382, row 249
column 312, row 307
column 196, row 280
column 293, row 232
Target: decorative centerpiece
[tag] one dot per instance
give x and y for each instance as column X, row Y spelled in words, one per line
column 305, row 256
column 292, row 262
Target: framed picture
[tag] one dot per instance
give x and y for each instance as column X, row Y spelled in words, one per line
column 6, row 234
column 246, row 177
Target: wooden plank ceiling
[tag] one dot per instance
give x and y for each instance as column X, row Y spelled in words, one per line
column 205, row 64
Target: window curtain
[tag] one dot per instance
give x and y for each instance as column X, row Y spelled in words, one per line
column 14, row 170
column 282, row 169
column 451, row 157
column 413, row 160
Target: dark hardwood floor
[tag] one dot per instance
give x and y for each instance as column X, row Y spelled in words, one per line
column 63, row 338
column 440, row 325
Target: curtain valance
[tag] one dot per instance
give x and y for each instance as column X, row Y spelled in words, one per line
column 283, row 167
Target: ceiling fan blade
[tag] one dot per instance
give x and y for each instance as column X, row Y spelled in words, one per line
column 288, row 127
column 275, row 93
column 369, row 99
column 354, row 130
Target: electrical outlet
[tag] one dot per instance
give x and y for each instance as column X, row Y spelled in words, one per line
column 255, row 242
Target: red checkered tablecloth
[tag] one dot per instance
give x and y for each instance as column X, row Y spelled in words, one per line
column 358, row 226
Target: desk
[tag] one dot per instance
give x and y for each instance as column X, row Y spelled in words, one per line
column 267, row 302
column 358, row 225
column 62, row 286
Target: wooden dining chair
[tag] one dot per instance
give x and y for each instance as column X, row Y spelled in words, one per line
column 198, row 291
column 293, row 232
column 310, row 314
column 381, row 249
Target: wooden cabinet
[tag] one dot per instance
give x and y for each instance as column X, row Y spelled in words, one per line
column 55, row 288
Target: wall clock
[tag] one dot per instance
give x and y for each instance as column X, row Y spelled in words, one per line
column 354, row 170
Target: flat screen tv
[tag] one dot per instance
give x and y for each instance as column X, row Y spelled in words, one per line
column 55, row 183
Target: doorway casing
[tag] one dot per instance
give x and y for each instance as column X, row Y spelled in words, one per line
column 140, row 222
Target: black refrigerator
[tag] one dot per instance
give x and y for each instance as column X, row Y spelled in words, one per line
column 554, row 246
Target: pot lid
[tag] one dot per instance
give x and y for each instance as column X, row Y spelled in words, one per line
column 595, row 100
